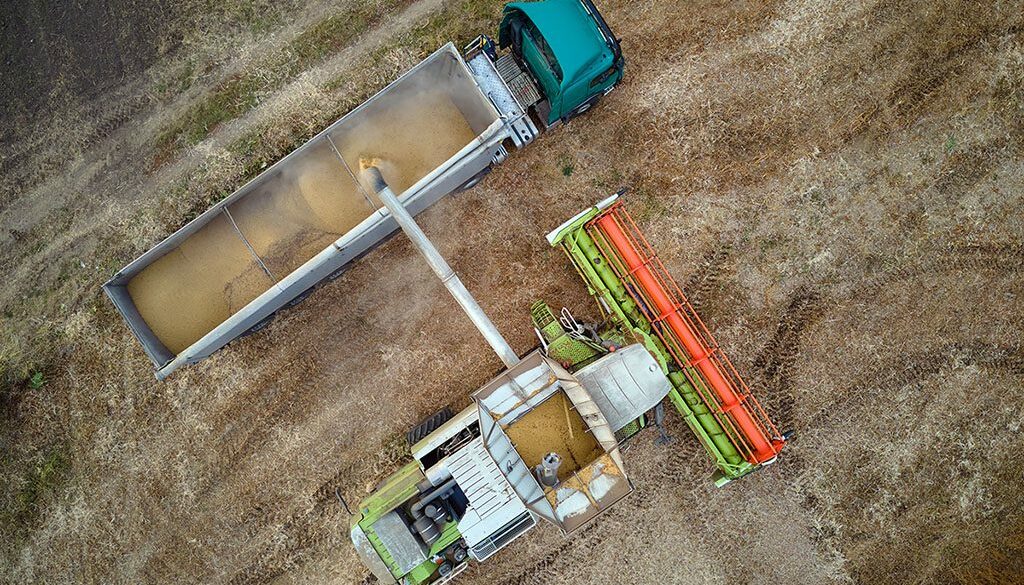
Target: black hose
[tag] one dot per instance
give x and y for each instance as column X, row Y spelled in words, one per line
column 341, row 501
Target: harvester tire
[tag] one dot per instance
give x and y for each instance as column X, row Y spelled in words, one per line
column 428, row 425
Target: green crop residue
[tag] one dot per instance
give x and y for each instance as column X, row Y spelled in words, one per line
column 568, row 168
column 950, row 144
column 38, row 484
column 245, row 90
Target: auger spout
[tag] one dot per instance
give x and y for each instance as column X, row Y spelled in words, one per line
column 371, row 175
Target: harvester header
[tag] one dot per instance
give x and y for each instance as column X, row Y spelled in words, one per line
column 642, row 301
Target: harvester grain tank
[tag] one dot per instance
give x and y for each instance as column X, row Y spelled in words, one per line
column 438, row 128
column 541, row 440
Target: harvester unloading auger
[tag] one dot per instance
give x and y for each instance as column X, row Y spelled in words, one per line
column 541, row 440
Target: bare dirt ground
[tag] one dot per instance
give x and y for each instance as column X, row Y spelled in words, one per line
column 838, row 185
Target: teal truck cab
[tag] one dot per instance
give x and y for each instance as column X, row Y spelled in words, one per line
column 564, row 57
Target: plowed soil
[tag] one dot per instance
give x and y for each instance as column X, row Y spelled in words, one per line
column 838, row 186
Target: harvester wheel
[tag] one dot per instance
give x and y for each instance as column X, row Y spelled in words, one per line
column 428, row 425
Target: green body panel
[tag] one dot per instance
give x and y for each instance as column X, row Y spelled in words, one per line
column 394, row 492
column 605, row 285
column 391, row 494
column 563, row 46
column 568, row 351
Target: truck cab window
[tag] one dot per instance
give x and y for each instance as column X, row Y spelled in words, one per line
column 545, row 50
column 601, row 79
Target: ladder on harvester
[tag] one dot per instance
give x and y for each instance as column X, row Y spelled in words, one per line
column 690, row 344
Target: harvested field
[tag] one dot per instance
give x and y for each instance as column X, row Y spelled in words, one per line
column 838, row 185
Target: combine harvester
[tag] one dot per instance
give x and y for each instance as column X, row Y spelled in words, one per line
column 541, row 441
column 441, row 127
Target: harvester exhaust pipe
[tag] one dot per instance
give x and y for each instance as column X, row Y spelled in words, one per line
column 371, row 175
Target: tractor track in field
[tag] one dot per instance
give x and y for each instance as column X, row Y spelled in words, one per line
column 998, row 257
column 682, row 452
column 860, row 400
column 911, row 368
column 300, row 538
column 701, row 285
column 774, row 365
column 314, row 529
column 546, row 569
column 276, row 399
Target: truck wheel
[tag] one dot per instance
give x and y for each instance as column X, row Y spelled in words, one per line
column 583, row 108
column 428, row 425
column 475, row 179
column 259, row 326
column 302, row 296
column 334, row 275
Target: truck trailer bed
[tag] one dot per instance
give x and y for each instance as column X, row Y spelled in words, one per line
column 308, row 215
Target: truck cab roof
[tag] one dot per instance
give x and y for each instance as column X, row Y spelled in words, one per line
column 570, row 32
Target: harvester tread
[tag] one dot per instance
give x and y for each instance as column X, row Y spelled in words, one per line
column 428, row 425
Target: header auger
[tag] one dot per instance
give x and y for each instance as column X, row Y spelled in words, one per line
column 641, row 301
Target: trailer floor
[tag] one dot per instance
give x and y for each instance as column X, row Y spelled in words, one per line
column 837, row 185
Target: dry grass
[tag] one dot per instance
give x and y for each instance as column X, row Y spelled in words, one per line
column 243, row 90
column 839, row 185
